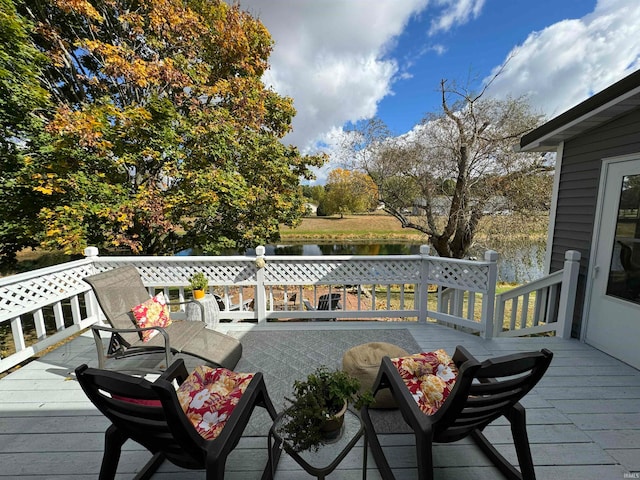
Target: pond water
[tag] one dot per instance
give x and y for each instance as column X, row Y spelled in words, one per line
column 516, row 265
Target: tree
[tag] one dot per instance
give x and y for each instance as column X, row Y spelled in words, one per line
column 313, row 192
column 164, row 136
column 21, row 95
column 349, row 192
column 22, row 105
column 457, row 166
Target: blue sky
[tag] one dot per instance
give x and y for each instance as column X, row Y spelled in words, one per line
column 470, row 51
column 349, row 60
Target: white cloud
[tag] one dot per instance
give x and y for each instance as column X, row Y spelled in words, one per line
column 439, row 49
column 567, row 62
column 333, row 56
column 455, row 12
column 330, row 58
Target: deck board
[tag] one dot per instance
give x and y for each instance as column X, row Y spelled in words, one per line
column 583, row 420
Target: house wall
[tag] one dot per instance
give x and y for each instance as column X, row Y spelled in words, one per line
column 578, row 192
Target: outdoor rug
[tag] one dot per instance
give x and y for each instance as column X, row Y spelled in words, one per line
column 286, row 356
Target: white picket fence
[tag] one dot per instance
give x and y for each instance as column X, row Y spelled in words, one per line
column 45, row 306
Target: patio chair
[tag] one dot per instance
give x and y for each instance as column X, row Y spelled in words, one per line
column 151, row 415
column 233, row 307
column 483, row 392
column 121, row 289
column 328, row 301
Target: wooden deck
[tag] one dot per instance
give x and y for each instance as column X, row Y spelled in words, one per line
column 583, row 417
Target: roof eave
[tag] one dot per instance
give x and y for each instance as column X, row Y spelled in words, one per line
column 610, row 103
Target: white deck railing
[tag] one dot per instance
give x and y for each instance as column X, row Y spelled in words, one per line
column 26, row 299
column 544, row 305
column 42, row 307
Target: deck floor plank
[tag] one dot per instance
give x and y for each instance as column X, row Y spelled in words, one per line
column 583, row 419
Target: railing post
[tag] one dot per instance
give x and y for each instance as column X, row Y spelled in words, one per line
column 260, row 304
column 568, row 293
column 423, row 288
column 488, row 303
column 93, row 310
column 498, row 315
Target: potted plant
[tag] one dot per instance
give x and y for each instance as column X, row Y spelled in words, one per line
column 199, row 284
column 316, row 410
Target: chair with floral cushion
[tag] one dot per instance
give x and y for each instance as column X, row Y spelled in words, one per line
column 194, row 427
column 141, row 324
column 444, row 400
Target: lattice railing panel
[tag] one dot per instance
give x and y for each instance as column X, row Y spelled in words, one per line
column 25, row 293
column 159, row 272
column 465, row 276
column 350, row 271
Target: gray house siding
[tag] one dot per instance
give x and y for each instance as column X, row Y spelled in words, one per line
column 578, row 192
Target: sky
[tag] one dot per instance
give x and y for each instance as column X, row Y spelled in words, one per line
column 344, row 61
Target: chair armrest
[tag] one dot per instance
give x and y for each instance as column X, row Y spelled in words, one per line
column 461, row 355
column 130, row 330
column 176, row 371
column 101, row 355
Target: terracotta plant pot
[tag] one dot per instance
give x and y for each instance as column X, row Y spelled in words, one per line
column 332, row 428
column 198, row 294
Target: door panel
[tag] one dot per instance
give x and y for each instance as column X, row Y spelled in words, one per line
column 613, row 320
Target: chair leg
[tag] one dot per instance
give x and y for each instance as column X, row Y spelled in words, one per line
column 150, row 467
column 265, row 401
column 424, row 456
column 99, row 347
column 215, row 468
column 113, row 441
column 376, row 448
column 274, row 459
column 518, row 420
column 274, row 456
column 498, row 460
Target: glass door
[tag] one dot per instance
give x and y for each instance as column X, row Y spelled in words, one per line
column 613, row 314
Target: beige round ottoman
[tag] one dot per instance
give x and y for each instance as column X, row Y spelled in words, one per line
column 363, row 362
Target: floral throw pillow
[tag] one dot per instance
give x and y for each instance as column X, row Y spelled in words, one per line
column 429, row 376
column 209, row 395
column 152, row 313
